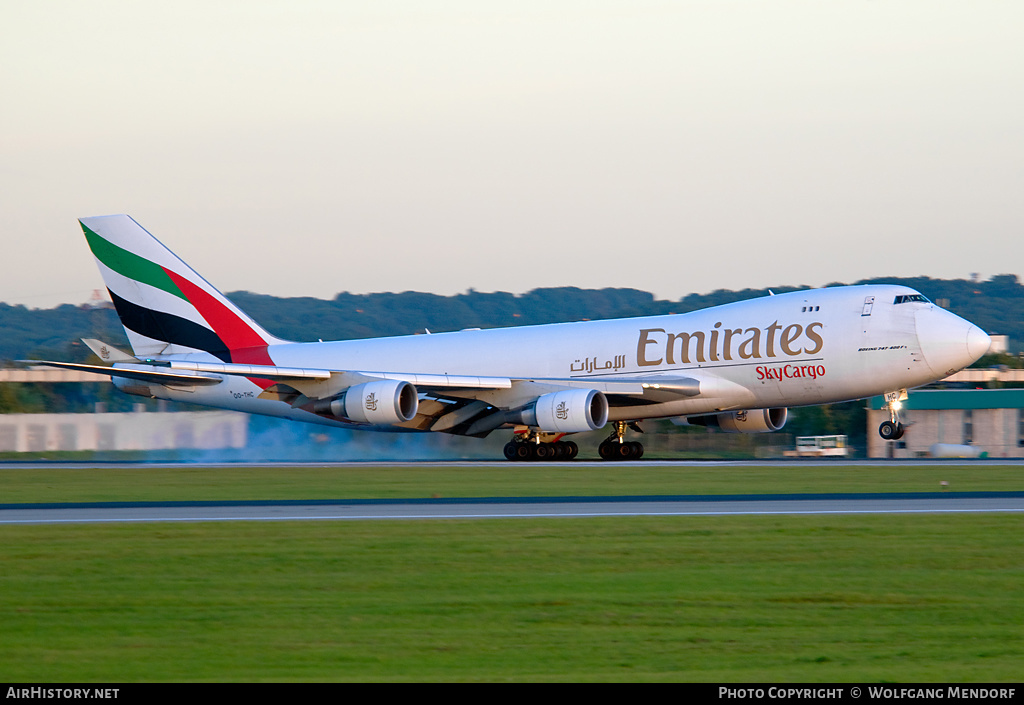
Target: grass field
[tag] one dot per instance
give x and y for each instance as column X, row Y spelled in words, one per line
column 502, row 480
column 722, row 599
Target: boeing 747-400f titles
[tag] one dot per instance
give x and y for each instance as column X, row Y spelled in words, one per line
column 736, row 367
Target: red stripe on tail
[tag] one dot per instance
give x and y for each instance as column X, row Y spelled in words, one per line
column 243, row 342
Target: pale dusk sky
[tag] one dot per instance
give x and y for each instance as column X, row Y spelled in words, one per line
column 306, row 148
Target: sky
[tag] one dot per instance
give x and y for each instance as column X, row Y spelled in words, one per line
column 305, row 148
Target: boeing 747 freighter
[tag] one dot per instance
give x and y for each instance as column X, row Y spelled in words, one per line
column 737, row 367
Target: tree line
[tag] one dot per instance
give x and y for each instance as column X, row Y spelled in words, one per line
column 997, row 305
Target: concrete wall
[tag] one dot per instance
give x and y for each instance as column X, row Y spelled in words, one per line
column 123, row 431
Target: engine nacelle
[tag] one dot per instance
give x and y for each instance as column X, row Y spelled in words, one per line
column 135, row 387
column 382, row 403
column 755, row 421
column 571, row 411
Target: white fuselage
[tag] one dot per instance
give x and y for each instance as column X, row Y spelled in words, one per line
column 808, row 347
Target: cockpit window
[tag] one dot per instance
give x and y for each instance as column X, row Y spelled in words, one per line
column 907, row 298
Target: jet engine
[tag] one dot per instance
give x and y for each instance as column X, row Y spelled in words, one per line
column 381, row 403
column 754, row 421
column 571, row 411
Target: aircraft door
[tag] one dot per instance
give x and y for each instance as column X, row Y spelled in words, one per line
column 865, row 320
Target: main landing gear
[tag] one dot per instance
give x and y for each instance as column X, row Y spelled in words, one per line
column 616, row 447
column 893, row 429
column 529, row 445
column 532, row 445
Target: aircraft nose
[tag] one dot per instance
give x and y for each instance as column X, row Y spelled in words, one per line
column 948, row 342
column 978, row 342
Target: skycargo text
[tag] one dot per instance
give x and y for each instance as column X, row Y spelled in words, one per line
column 790, row 372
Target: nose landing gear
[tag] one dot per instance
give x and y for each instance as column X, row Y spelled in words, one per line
column 893, row 429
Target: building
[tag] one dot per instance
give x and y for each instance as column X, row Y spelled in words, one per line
column 991, row 421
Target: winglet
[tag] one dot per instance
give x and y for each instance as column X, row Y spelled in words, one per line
column 107, row 352
column 144, row 375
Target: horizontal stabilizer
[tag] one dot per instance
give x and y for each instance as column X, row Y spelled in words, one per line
column 133, row 373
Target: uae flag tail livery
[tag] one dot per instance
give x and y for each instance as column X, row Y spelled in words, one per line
column 165, row 306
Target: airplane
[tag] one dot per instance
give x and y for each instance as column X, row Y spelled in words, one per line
column 738, row 367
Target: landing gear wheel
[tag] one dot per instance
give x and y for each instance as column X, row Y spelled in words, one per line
column 890, row 431
column 608, row 451
column 565, row 450
column 638, row 450
column 510, row 450
column 524, row 451
column 572, row 450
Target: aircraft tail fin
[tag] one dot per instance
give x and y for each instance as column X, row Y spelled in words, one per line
column 164, row 305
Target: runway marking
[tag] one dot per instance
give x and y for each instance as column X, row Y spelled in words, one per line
column 517, row 515
column 514, row 507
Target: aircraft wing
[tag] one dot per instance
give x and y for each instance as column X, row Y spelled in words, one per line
column 183, row 372
column 647, row 386
column 477, row 412
column 461, row 404
column 309, row 381
column 510, row 390
column 314, row 383
column 475, row 406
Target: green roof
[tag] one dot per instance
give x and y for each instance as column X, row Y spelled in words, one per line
column 958, row 399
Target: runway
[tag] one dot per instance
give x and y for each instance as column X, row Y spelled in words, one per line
column 514, row 508
column 491, row 463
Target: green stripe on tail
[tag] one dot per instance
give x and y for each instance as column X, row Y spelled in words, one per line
column 130, row 265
